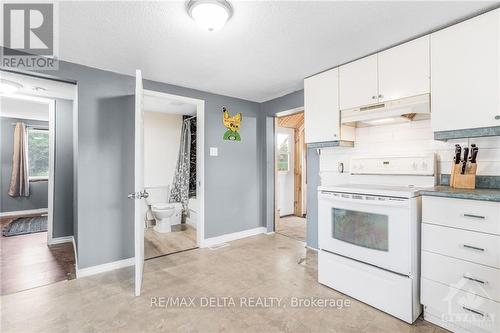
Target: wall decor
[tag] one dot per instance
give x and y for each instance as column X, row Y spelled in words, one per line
column 232, row 124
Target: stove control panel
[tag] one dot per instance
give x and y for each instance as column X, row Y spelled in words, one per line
column 422, row 165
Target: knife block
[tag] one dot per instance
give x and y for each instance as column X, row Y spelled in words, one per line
column 465, row 181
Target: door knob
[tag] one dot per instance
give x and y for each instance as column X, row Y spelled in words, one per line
column 497, row 117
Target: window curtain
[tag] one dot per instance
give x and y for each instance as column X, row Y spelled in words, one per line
column 19, row 180
column 180, row 184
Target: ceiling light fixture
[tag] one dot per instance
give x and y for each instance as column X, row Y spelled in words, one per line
column 9, row 87
column 210, row 14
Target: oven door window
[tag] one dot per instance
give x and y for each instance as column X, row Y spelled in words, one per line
column 361, row 228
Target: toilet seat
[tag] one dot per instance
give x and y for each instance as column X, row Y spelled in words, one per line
column 162, row 206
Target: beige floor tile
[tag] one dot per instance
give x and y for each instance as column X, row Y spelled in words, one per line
column 265, row 266
column 292, row 226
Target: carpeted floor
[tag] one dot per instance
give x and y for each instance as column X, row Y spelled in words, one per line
column 25, row 225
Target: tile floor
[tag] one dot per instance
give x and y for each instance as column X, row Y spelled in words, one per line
column 292, row 226
column 27, row 262
column 263, row 265
column 182, row 237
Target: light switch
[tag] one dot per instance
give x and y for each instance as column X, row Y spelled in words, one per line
column 214, row 151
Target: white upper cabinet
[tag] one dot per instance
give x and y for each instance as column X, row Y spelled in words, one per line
column 404, row 70
column 465, row 72
column 321, row 108
column 358, row 83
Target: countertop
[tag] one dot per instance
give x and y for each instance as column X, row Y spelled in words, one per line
column 476, row 194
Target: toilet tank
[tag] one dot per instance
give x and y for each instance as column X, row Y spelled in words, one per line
column 158, row 194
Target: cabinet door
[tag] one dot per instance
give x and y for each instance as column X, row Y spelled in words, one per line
column 404, row 70
column 358, row 83
column 465, row 73
column 321, row 107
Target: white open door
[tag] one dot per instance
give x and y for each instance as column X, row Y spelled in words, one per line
column 139, row 184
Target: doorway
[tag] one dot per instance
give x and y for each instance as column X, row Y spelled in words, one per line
column 290, row 176
column 143, row 98
column 37, row 182
column 169, row 176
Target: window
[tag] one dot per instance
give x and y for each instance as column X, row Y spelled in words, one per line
column 283, row 152
column 38, row 154
column 361, row 228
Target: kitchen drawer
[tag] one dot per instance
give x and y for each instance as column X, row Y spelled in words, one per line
column 387, row 291
column 473, row 215
column 462, row 244
column 464, row 275
column 474, row 313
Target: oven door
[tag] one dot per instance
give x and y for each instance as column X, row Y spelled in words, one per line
column 371, row 229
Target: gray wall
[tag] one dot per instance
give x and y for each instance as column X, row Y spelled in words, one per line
column 269, row 110
column 105, row 163
column 63, row 169
column 38, row 190
column 232, row 179
column 313, row 181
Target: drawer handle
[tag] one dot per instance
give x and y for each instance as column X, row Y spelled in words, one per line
column 474, row 279
column 473, row 247
column 473, row 311
column 474, row 216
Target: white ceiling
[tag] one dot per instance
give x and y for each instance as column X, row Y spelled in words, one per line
column 24, row 109
column 264, row 51
column 166, row 105
column 38, row 87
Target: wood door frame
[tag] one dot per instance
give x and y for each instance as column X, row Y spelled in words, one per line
column 299, row 147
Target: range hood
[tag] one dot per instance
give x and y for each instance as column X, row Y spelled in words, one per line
column 397, row 111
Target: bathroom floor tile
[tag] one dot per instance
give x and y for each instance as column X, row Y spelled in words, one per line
column 182, row 237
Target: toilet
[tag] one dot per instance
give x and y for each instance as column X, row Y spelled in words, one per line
column 165, row 214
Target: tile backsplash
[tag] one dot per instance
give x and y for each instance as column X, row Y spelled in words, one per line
column 412, row 139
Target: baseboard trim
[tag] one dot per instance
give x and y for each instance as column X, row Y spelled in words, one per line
column 270, row 233
column 88, row 271
column 232, row 237
column 312, row 248
column 76, row 255
column 61, row 240
column 25, row 212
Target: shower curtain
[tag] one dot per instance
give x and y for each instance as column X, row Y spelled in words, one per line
column 19, row 179
column 180, row 184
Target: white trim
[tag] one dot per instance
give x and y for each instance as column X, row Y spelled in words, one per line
column 60, row 240
column 311, row 248
column 25, row 212
column 290, row 112
column 234, row 236
column 270, row 233
column 88, row 271
column 50, row 197
column 76, row 255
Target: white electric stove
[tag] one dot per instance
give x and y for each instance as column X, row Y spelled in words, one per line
column 369, row 235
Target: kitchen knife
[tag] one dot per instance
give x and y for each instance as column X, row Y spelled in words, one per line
column 466, row 157
column 458, row 152
column 475, row 151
